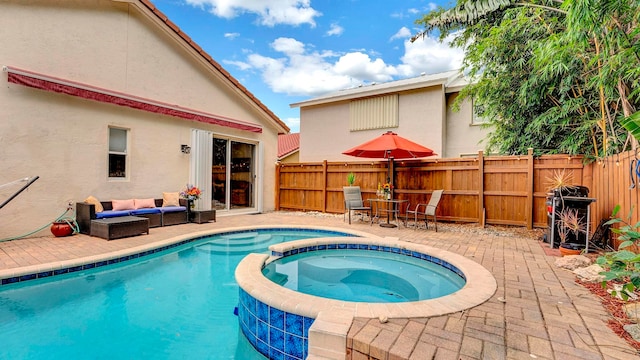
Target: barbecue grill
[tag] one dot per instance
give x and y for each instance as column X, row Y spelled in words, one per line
column 574, row 197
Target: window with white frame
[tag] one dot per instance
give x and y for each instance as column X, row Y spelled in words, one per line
column 118, row 152
column 374, row 113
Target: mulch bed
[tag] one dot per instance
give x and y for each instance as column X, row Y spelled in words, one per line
column 614, row 307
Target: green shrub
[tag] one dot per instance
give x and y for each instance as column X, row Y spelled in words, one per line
column 622, row 266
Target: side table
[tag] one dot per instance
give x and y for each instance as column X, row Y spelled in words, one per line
column 202, row 216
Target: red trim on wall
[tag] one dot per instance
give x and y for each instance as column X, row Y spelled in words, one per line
column 43, row 82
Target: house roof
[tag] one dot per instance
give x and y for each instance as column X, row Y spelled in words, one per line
column 288, row 144
column 457, row 84
column 147, row 4
column 443, row 79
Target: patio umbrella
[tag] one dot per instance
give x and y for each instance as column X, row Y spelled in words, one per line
column 390, row 146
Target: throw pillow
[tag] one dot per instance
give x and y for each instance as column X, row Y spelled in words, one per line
column 96, row 202
column 123, row 204
column 144, row 203
column 170, row 199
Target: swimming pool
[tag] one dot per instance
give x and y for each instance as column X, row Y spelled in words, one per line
column 175, row 303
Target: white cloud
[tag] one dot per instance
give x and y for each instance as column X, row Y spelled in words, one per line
column 303, row 71
column 239, row 64
column 310, row 73
column 299, row 74
column 412, row 12
column 231, row 35
column 335, row 30
column 288, row 46
column 430, row 56
column 293, row 124
column 269, row 12
column 403, row 33
column 360, row 66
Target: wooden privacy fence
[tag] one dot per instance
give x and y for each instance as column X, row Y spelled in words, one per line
column 504, row 190
column 614, row 181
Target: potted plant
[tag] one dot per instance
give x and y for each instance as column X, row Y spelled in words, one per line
column 387, row 188
column 351, row 179
column 63, row 227
column 190, row 193
column 561, row 183
column 569, row 230
column 560, row 179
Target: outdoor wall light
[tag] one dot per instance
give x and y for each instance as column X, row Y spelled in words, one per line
column 186, row 149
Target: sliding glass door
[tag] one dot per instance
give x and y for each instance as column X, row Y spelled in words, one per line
column 233, row 174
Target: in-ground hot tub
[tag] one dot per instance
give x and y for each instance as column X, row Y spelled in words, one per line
column 377, row 276
column 272, row 316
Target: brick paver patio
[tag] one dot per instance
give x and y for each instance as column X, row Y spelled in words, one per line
column 538, row 311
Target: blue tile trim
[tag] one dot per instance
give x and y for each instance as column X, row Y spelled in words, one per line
column 281, row 335
column 45, row 274
column 28, row 277
column 40, row 275
column 10, row 280
column 393, row 250
column 75, row 268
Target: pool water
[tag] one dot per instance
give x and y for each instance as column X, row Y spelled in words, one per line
column 363, row 276
column 178, row 304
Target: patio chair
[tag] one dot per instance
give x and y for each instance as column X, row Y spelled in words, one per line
column 427, row 210
column 353, row 202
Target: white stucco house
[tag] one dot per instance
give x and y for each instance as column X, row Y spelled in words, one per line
column 109, row 98
column 418, row 109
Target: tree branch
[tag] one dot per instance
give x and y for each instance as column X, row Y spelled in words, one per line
column 542, row 7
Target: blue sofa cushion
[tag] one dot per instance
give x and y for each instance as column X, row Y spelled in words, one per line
column 112, row 213
column 167, row 209
column 145, row 211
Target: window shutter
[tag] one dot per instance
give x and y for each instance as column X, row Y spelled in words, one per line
column 374, row 113
column 201, row 161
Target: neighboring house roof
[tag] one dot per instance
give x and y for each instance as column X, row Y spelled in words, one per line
column 288, row 144
column 162, row 17
column 374, row 89
column 457, row 84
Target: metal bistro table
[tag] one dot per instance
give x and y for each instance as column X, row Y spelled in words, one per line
column 388, row 207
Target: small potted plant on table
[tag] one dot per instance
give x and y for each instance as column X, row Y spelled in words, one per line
column 191, row 194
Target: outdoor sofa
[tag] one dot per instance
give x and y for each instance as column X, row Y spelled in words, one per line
column 157, row 214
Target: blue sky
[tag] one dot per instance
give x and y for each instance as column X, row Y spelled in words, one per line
column 286, row 51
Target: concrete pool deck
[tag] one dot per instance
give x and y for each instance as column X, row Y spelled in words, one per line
column 537, row 312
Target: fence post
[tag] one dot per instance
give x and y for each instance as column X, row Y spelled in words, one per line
column 277, row 186
column 324, row 186
column 481, row 215
column 530, row 189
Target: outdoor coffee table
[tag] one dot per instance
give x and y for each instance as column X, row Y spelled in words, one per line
column 119, row 227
